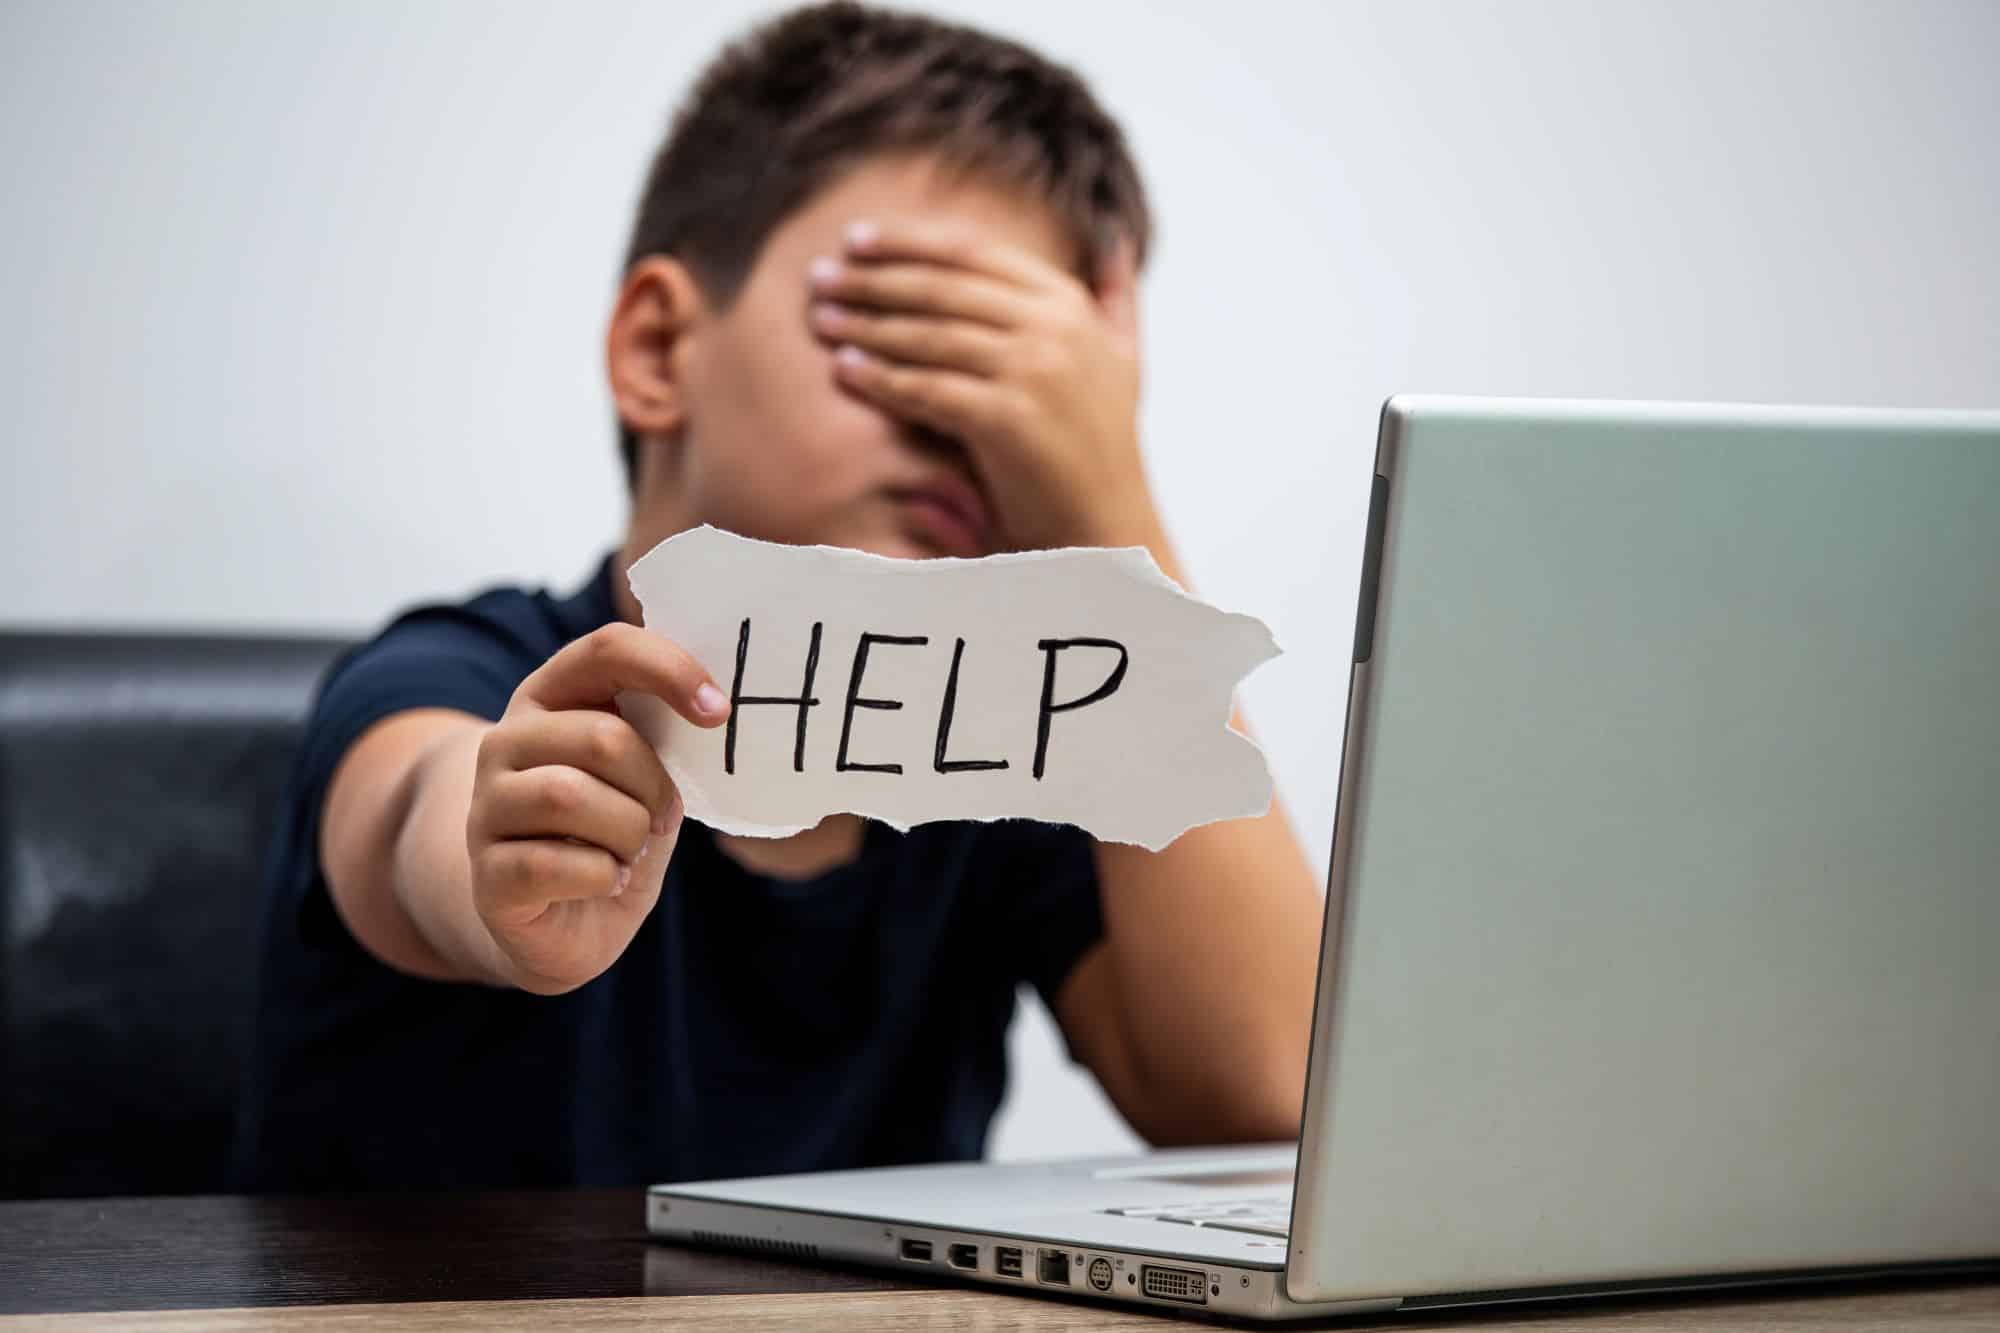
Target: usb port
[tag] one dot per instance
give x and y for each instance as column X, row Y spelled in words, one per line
column 963, row 1256
column 1006, row 1261
column 917, row 1251
column 1052, row 1268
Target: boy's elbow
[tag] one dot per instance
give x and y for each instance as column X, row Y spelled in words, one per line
column 1268, row 1109
column 1252, row 1101
column 1274, row 1122
column 1264, row 1097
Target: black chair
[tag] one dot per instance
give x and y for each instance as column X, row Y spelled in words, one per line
column 139, row 784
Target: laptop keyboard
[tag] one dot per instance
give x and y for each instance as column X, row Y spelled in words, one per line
column 1261, row 1217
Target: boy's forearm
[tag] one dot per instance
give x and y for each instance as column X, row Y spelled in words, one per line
column 1213, row 947
column 432, row 877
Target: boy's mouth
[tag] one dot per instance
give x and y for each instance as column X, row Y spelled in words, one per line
column 948, row 513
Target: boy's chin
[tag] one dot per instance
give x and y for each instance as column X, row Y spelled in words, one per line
column 894, row 543
column 899, row 548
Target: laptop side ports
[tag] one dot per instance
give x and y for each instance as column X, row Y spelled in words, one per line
column 1006, row 1261
column 1052, row 1268
column 1174, row 1284
column 963, row 1256
column 917, row 1251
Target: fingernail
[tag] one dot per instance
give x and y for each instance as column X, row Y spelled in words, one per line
column 709, row 699
column 662, row 822
column 824, row 271
column 645, row 846
column 827, row 314
column 624, row 878
column 849, row 355
column 861, row 235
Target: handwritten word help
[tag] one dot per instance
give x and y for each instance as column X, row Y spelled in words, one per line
column 805, row 701
column 1074, row 686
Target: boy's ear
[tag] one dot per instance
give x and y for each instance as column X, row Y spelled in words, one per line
column 1117, row 288
column 645, row 348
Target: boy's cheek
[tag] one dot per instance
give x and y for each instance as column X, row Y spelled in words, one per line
column 784, row 451
column 796, row 476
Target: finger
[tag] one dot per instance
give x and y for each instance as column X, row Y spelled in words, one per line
column 521, row 877
column 557, row 801
column 1117, row 288
column 649, row 867
column 917, row 339
column 593, row 669
column 925, row 289
column 601, row 744
column 937, row 241
column 959, row 405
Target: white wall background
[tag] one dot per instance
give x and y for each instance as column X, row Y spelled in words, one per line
column 303, row 303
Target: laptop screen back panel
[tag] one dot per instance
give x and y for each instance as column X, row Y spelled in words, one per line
column 1665, row 910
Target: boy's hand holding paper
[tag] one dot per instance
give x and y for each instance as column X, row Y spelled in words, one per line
column 572, row 818
column 1073, row 686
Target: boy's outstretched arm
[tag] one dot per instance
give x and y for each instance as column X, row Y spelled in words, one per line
column 1194, row 1010
column 524, row 852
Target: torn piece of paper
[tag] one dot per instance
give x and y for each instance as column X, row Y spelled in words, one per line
column 1073, row 686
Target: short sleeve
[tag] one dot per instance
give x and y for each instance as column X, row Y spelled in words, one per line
column 432, row 658
column 1041, row 889
column 428, row 659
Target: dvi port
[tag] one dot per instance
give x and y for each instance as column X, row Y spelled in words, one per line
column 1174, row 1284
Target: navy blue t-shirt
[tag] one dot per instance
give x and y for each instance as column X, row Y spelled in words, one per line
column 754, row 1025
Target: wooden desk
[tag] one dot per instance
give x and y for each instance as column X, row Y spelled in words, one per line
column 582, row 1259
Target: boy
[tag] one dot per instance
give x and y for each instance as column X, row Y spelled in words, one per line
column 880, row 294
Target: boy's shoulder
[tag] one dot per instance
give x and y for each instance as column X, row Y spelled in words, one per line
column 506, row 620
column 509, row 630
column 468, row 656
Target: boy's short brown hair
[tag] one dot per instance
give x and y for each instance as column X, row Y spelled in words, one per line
column 778, row 115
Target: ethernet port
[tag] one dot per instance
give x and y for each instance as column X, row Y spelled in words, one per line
column 1052, row 1268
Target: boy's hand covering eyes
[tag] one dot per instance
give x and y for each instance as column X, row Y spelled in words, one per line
column 573, row 818
column 1037, row 373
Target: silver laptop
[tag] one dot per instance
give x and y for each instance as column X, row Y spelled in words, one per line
column 1662, row 942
